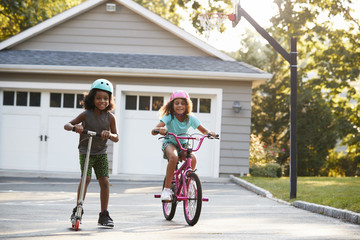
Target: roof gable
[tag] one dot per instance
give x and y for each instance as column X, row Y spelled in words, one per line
column 180, row 39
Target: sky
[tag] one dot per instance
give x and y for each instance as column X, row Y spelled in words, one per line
column 230, row 39
column 261, row 11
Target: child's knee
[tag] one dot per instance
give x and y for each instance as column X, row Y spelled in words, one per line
column 173, row 159
column 88, row 180
column 104, row 182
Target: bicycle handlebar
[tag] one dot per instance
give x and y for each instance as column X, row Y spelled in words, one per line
column 209, row 136
column 200, row 138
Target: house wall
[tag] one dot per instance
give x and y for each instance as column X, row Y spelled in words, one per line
column 235, row 129
column 122, row 32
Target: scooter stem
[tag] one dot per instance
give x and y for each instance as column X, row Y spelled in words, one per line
column 83, row 179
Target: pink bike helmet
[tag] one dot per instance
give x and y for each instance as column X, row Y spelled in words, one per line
column 179, row 94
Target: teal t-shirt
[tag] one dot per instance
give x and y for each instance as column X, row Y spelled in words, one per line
column 175, row 126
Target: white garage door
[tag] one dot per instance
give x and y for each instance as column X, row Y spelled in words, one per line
column 32, row 133
column 137, row 113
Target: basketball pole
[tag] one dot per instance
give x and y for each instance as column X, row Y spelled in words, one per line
column 292, row 59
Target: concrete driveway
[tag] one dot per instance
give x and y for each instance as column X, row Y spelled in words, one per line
column 39, row 208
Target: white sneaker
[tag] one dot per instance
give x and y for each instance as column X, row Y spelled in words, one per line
column 166, row 194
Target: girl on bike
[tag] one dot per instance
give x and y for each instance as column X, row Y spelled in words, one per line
column 177, row 117
column 97, row 117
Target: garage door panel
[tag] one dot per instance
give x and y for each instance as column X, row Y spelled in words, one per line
column 142, row 154
column 63, row 153
column 20, row 138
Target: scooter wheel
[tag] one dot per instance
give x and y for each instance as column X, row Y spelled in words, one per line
column 77, row 225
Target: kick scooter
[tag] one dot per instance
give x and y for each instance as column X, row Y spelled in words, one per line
column 75, row 222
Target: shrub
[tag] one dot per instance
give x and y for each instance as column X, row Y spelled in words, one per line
column 267, row 170
column 340, row 164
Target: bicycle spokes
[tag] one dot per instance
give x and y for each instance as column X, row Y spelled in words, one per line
column 193, row 198
column 193, row 203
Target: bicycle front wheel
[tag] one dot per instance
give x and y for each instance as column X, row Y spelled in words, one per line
column 192, row 206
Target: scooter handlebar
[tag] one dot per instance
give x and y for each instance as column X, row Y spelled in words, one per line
column 88, row 132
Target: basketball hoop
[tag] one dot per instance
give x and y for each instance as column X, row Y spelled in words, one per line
column 213, row 21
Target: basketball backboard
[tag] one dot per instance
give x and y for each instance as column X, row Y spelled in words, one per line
column 236, row 12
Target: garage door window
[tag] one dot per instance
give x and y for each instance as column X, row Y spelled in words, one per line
column 201, row 105
column 66, row 100
column 143, row 103
column 21, row 98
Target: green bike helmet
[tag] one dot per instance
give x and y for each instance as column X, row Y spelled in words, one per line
column 102, row 84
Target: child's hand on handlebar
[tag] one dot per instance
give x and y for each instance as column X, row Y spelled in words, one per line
column 212, row 134
column 161, row 130
column 105, row 134
column 78, row 128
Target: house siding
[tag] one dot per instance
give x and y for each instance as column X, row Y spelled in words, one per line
column 122, row 32
column 235, row 128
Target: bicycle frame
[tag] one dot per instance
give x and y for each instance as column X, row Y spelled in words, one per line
column 181, row 173
column 185, row 184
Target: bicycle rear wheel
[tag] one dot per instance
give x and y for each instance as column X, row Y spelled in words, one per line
column 192, row 206
column 169, row 208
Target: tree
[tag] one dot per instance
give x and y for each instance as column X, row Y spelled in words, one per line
column 19, row 15
column 164, row 8
column 328, row 55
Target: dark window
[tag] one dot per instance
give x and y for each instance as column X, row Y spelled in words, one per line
column 205, row 105
column 55, row 100
column 130, row 102
column 69, row 100
column 35, row 99
column 195, row 104
column 21, row 98
column 79, row 99
column 157, row 103
column 144, row 103
column 8, row 98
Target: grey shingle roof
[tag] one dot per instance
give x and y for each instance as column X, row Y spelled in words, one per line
column 116, row 60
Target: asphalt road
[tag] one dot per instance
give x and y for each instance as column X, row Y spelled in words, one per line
column 39, row 208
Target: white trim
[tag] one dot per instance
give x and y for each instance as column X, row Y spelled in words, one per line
column 134, row 72
column 119, row 88
column 45, row 85
column 50, row 23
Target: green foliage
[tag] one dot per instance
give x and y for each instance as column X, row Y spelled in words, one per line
column 339, row 164
column 316, row 132
column 328, row 59
column 339, row 192
column 261, row 154
column 164, row 8
column 19, row 15
column 267, row 170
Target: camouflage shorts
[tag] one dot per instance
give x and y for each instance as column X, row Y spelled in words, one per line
column 98, row 162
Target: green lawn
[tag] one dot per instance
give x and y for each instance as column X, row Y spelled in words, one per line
column 342, row 192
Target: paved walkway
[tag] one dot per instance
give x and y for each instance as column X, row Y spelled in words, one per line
column 39, row 208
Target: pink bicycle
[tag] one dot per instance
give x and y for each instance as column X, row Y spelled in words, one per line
column 186, row 184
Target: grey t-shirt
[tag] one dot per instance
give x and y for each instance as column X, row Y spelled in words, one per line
column 96, row 123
